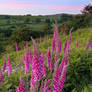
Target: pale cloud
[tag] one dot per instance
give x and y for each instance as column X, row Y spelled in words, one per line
column 26, row 6
column 18, row 5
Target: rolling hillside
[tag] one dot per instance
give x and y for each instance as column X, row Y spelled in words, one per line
column 79, row 75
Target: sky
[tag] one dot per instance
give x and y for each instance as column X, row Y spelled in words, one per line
column 42, row 7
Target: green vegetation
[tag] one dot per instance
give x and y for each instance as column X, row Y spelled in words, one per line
column 13, row 29
column 79, row 73
column 19, row 29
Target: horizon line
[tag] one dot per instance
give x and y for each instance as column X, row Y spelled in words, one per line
column 39, row 14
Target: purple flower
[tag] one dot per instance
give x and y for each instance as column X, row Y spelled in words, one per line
column 62, row 80
column 37, row 65
column 41, row 90
column 49, row 80
column 65, row 46
column 60, row 73
column 40, row 39
column 27, row 59
column 59, row 46
column 21, row 86
column 43, row 54
column 4, row 66
column 46, row 86
column 70, row 37
column 56, row 57
column 77, row 44
column 90, row 45
column 26, row 62
column 63, row 70
column 69, row 43
column 48, row 58
column 87, row 46
column 51, row 66
column 56, row 33
column 53, row 44
column 1, row 77
column 56, row 42
column 44, row 70
column 30, row 56
column 16, row 47
column 9, row 66
column 32, row 82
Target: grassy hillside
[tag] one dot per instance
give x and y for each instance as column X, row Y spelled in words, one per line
column 35, row 25
column 79, row 75
column 15, row 28
column 82, row 35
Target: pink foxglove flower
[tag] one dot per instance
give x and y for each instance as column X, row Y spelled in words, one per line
column 1, row 77
column 43, row 54
column 45, row 86
column 56, row 42
column 9, row 66
column 56, row 33
column 77, row 44
column 87, row 46
column 56, row 57
column 44, row 71
column 16, row 47
column 65, row 46
column 63, row 77
column 51, row 66
column 30, row 56
column 48, row 58
column 60, row 71
column 90, row 45
column 21, row 87
column 41, row 90
column 53, row 44
column 64, row 70
column 4, row 66
column 69, row 43
column 32, row 82
column 40, row 39
column 27, row 59
column 43, row 68
column 26, row 62
column 70, row 37
column 59, row 46
column 36, row 64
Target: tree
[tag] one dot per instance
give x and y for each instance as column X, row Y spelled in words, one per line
column 87, row 12
column 27, row 20
column 87, row 9
column 65, row 17
column 45, row 28
column 8, row 22
column 1, row 48
column 47, row 21
column 37, row 20
column 7, row 17
column 21, row 34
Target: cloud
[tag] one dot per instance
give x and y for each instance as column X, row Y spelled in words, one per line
column 11, row 5
column 22, row 5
